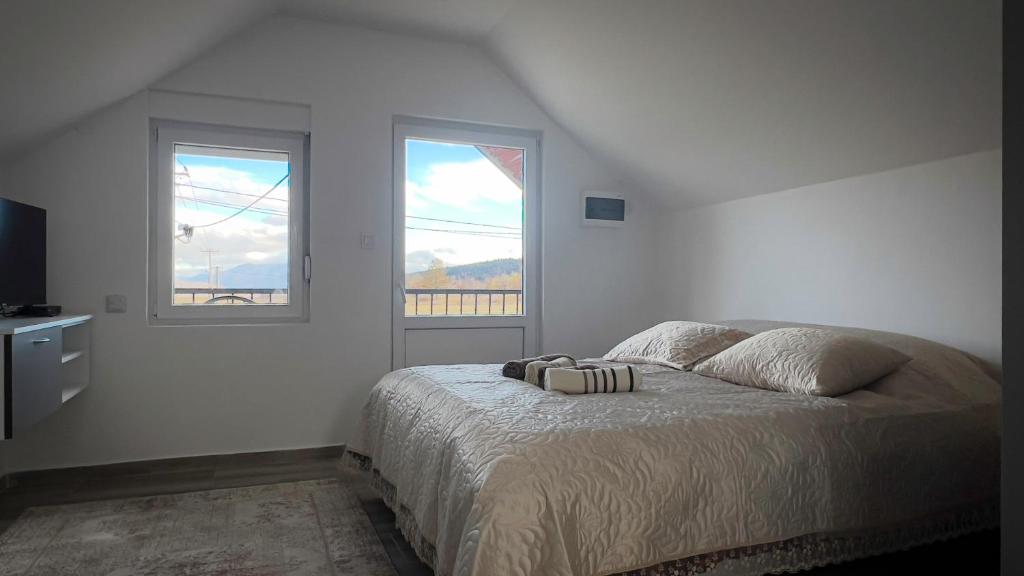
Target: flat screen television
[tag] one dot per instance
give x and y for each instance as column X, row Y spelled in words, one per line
column 22, row 254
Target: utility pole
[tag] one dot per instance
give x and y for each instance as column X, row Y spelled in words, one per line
column 209, row 266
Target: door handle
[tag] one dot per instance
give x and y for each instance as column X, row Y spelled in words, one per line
column 40, row 340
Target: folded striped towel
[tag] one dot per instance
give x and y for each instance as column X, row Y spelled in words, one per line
column 543, row 370
column 617, row 379
column 535, row 370
column 517, row 368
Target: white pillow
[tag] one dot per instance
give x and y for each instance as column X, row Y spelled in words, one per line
column 813, row 361
column 676, row 344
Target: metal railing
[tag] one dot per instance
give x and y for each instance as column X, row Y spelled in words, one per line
column 231, row 295
column 419, row 301
column 463, row 302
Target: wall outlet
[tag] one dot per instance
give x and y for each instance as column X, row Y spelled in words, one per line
column 117, row 303
column 366, row 241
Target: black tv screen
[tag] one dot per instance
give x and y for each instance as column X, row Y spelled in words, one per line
column 22, row 254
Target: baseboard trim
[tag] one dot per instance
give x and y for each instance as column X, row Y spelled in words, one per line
column 56, row 476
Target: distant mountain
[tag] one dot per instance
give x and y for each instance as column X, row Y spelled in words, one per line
column 275, row 274
column 479, row 270
column 250, row 275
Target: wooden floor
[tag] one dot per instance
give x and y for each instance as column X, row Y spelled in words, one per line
column 976, row 554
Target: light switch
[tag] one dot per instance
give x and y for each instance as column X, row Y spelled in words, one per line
column 366, row 241
column 117, row 303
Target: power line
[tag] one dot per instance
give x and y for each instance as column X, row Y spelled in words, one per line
column 503, row 235
column 188, row 233
column 461, row 222
column 191, row 185
column 226, row 205
column 487, row 232
column 251, row 204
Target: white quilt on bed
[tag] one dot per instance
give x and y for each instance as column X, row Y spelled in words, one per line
column 505, row 478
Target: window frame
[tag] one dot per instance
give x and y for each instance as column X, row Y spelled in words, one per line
column 164, row 135
column 470, row 133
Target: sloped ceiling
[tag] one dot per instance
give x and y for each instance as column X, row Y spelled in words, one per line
column 462, row 20
column 709, row 100
column 61, row 60
column 693, row 101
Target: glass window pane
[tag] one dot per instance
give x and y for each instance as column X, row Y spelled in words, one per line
column 463, row 229
column 231, row 226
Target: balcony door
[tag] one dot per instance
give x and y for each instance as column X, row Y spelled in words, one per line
column 467, row 243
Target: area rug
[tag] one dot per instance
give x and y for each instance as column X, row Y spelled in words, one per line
column 308, row 528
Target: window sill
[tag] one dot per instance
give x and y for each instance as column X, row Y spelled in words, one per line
column 197, row 322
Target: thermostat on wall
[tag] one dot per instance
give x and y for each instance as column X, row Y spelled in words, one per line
column 603, row 209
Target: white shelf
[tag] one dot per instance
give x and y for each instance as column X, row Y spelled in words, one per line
column 69, row 393
column 71, row 355
column 21, row 325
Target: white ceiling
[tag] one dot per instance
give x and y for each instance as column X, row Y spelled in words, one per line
column 61, row 60
column 463, row 20
column 705, row 101
column 694, row 101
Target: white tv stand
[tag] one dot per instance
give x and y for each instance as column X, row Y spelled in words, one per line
column 45, row 363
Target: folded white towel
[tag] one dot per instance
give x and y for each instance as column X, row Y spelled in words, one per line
column 534, row 370
column 570, row 381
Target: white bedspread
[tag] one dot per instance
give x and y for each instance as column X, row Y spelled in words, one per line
column 505, row 478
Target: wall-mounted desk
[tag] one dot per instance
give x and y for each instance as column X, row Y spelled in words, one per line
column 45, row 363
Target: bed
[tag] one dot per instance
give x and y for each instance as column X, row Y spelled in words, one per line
column 492, row 476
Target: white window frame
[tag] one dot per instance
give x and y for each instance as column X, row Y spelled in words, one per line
column 164, row 135
column 530, row 141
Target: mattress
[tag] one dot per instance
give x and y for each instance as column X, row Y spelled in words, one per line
column 493, row 476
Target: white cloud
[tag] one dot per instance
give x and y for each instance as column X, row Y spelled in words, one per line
column 463, row 185
column 232, row 180
column 418, row 260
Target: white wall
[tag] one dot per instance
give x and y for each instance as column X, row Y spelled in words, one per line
column 175, row 391
column 914, row 250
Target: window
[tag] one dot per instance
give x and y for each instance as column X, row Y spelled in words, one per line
column 229, row 237
column 466, row 242
column 463, row 229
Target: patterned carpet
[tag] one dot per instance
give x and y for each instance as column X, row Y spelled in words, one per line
column 299, row 528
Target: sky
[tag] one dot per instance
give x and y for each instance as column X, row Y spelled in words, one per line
column 456, row 182
column 453, row 182
column 255, row 236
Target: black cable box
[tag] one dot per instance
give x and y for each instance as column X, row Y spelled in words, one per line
column 39, row 310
